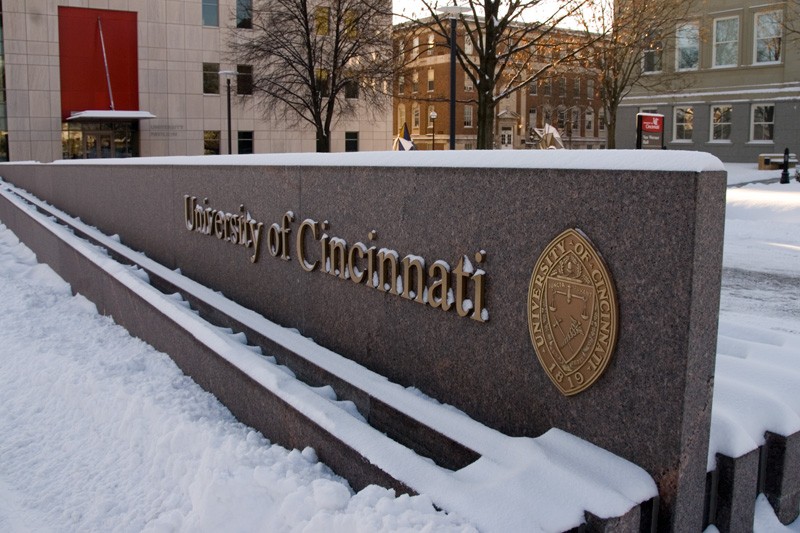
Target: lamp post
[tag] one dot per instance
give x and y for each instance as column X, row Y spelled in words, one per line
column 228, row 74
column 433, row 116
column 452, row 13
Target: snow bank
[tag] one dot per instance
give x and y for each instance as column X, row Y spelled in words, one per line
column 99, row 432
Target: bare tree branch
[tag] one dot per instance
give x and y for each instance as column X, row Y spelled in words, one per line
column 314, row 62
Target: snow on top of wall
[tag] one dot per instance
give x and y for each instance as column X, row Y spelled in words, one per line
column 682, row 161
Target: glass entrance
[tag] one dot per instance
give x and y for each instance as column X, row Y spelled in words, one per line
column 97, row 145
column 100, row 140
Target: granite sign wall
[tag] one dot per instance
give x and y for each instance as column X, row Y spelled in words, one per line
column 575, row 297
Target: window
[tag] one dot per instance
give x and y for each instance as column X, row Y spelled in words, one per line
column 762, row 122
column 351, row 141
column 562, row 87
column 683, row 124
column 589, row 119
column 245, row 142
column 415, row 47
column 322, row 20
column 430, row 80
column 726, row 42
column 467, row 116
column 576, row 90
column 401, row 116
column 430, row 44
column 210, row 78
column 533, row 87
column 721, row 122
column 546, row 87
column 651, row 59
column 687, row 46
column 532, row 117
column 210, row 12
column 506, row 136
column 244, row 79
column 468, row 45
column 768, row 29
column 548, row 115
column 351, row 89
column 244, row 14
column 351, row 20
column 322, row 82
column 561, row 120
column 415, row 117
column 401, row 84
column 601, row 122
column 415, row 82
column 468, row 85
column 590, row 88
column 211, row 142
column 576, row 120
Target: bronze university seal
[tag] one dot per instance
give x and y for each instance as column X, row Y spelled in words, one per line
column 572, row 312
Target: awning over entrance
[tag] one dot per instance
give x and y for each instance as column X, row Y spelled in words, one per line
column 96, row 115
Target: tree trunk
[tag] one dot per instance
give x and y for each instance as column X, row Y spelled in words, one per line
column 485, row 122
column 323, row 141
column 611, row 132
column 611, row 126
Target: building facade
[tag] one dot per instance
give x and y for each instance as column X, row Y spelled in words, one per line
column 121, row 78
column 566, row 98
column 731, row 83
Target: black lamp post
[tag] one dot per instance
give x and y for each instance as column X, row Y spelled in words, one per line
column 785, row 173
column 452, row 13
column 228, row 74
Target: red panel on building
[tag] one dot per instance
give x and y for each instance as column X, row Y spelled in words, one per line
column 84, row 84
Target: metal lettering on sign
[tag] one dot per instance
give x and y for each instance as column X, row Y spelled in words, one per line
column 572, row 312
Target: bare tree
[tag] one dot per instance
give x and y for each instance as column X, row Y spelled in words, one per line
column 631, row 54
column 507, row 47
column 314, row 62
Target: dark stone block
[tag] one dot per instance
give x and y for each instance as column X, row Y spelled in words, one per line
column 782, row 475
column 737, row 488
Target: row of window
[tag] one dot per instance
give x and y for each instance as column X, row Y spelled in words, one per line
column 725, row 43
column 244, row 13
column 565, row 119
column 244, row 81
column 762, row 122
column 211, row 75
column 212, row 142
column 533, row 88
column 562, row 87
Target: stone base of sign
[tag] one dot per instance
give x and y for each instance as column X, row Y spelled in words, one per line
column 658, row 229
column 773, row 469
column 782, row 475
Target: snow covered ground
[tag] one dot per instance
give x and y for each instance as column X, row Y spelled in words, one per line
column 98, row 432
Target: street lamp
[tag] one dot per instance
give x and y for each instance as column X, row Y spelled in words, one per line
column 228, row 75
column 433, row 116
column 452, row 13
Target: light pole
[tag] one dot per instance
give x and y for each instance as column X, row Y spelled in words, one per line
column 452, row 13
column 228, row 74
column 433, row 116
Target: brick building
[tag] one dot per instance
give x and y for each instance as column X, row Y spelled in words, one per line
column 566, row 97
